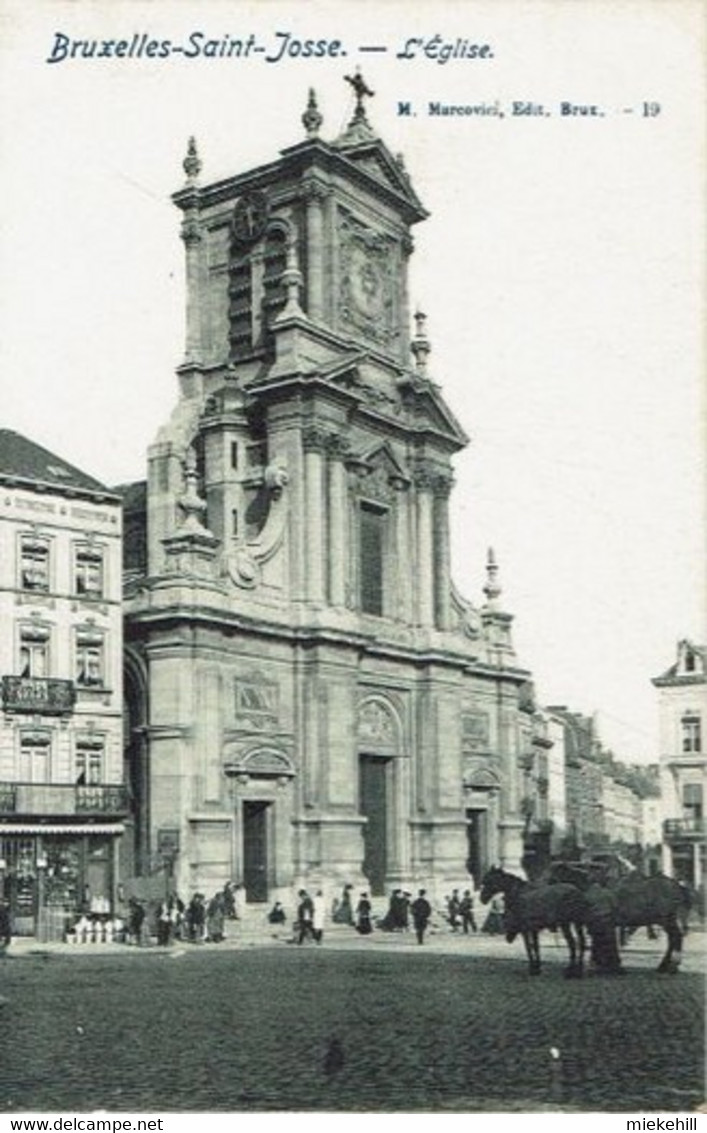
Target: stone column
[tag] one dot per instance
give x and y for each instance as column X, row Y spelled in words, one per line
column 191, row 235
column 316, row 194
column 337, row 548
column 424, row 481
column 441, row 551
column 313, row 440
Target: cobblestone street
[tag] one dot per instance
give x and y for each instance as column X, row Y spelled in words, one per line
column 376, row 1024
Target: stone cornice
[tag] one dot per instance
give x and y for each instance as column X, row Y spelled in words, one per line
column 685, row 680
column 229, row 622
column 300, row 159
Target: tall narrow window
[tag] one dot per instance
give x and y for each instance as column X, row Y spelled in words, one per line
column 89, row 659
column 691, row 733
column 371, row 542
column 692, row 800
column 34, row 651
column 89, row 764
column 34, row 757
column 34, row 564
column 88, row 572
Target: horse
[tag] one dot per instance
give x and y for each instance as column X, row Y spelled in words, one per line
column 657, row 900
column 529, row 908
column 629, row 902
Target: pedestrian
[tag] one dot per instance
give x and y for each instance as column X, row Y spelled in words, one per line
column 318, row 916
column 229, row 904
column 466, row 908
column 494, row 921
column 421, row 912
column 214, row 919
column 176, row 915
column 601, row 917
column 454, row 910
column 363, row 916
column 405, row 910
column 5, row 929
column 136, row 916
column 195, row 918
column 343, row 910
column 390, row 921
column 239, row 902
column 164, row 923
column 277, row 914
column 305, row 912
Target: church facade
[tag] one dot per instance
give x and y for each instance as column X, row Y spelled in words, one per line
column 309, row 700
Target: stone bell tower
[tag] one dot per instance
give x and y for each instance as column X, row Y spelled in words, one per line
column 313, row 673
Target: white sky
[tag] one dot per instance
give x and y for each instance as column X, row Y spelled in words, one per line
column 560, row 272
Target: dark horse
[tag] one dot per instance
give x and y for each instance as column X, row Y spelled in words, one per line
column 529, row 908
column 630, row 902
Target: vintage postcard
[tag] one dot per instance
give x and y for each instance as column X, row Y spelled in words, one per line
column 352, row 655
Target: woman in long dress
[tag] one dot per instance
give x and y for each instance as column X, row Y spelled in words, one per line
column 343, row 913
column 363, row 916
column 214, row 919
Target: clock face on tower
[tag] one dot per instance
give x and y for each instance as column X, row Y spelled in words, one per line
column 250, row 216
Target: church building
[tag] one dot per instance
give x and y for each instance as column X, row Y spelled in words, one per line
column 309, row 699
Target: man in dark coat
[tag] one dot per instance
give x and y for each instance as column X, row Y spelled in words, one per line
column 305, row 916
column 421, row 912
column 466, row 908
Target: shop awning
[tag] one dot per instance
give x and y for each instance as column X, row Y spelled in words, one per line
column 8, row 828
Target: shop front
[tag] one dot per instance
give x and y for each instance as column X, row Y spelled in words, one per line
column 50, row 875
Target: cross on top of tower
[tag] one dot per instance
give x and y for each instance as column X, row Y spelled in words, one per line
column 361, row 90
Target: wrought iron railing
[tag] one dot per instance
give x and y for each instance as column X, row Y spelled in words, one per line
column 676, row 828
column 45, row 695
column 61, row 799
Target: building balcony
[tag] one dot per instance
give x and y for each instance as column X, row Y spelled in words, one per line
column 684, row 830
column 48, row 696
column 63, row 799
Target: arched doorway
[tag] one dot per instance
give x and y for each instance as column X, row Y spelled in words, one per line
column 481, row 791
column 381, row 789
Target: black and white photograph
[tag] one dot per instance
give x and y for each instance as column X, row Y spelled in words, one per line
column 353, row 650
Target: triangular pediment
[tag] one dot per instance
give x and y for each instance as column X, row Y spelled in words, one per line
column 374, row 158
column 429, row 411
column 381, row 458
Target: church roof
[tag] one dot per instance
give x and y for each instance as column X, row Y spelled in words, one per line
column 24, row 460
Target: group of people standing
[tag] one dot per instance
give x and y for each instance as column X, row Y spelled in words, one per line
column 199, row 921
column 203, row 920
column 401, row 911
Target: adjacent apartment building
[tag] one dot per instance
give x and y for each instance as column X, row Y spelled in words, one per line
column 62, row 799
column 682, row 701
